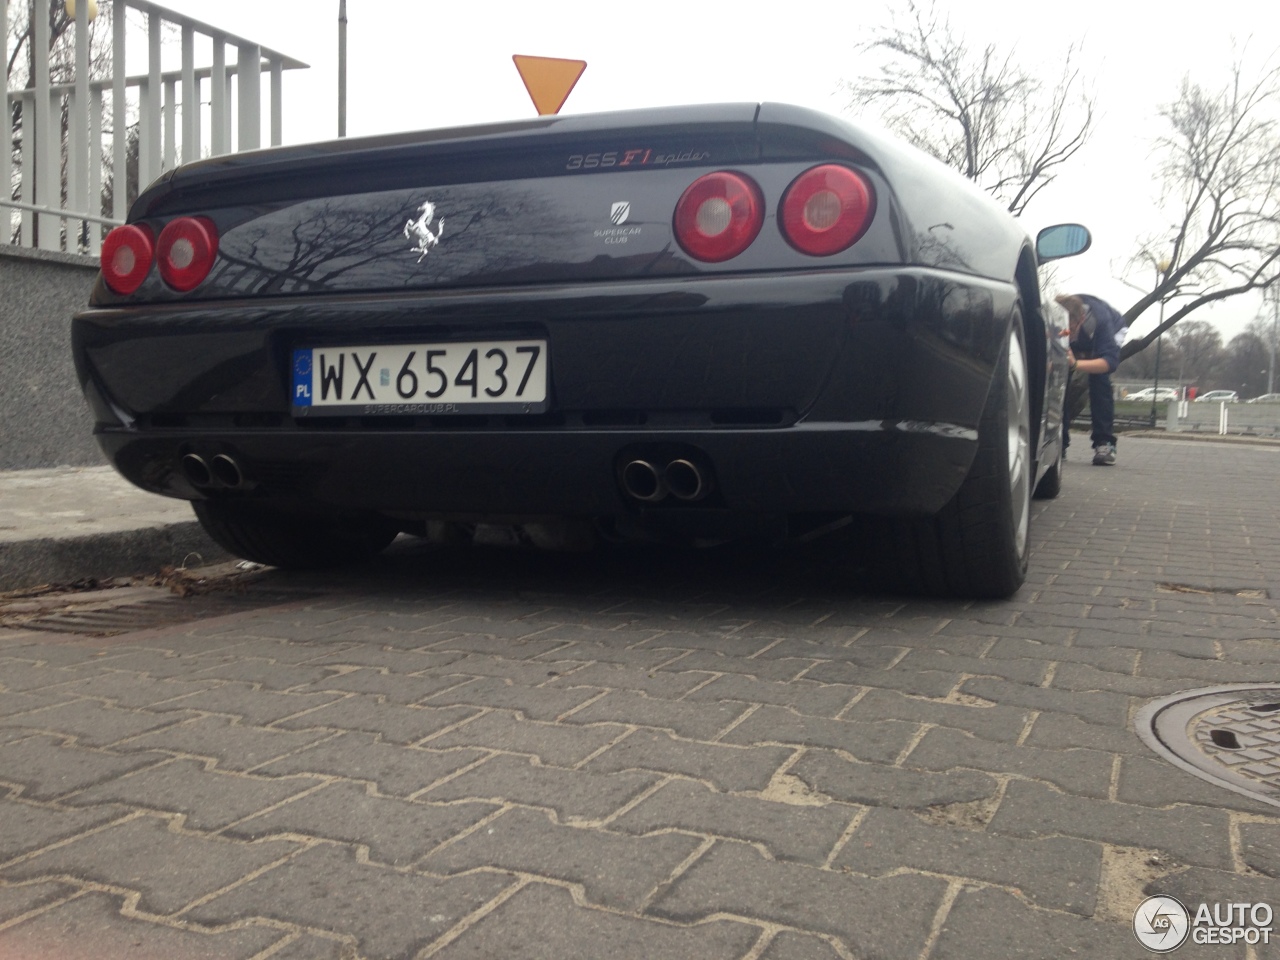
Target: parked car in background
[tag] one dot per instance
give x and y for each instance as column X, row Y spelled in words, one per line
column 687, row 325
column 1151, row 393
column 1218, row 396
column 1266, row 398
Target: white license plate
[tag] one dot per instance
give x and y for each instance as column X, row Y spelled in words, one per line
column 502, row 376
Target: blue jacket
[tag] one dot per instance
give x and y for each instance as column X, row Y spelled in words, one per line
column 1100, row 335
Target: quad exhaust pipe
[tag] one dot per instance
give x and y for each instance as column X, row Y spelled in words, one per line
column 681, row 478
column 220, row 471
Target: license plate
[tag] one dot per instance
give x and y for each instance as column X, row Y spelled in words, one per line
column 502, row 376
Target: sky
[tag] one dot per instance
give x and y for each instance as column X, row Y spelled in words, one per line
column 418, row 64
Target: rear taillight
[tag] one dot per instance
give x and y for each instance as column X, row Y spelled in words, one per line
column 126, row 257
column 718, row 216
column 186, row 251
column 826, row 209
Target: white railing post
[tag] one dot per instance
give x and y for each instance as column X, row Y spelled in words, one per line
column 45, row 138
column 170, row 158
column 79, row 158
column 190, row 97
column 1222, row 419
column 6, row 154
column 95, row 169
column 277, row 102
column 119, row 116
column 249, row 101
column 219, row 100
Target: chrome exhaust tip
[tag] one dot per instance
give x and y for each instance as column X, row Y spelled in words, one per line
column 685, row 480
column 226, row 471
column 196, row 470
column 641, row 480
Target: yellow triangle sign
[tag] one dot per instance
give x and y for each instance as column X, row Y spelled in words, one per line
column 549, row 80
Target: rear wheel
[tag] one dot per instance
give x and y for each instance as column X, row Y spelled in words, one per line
column 976, row 546
column 294, row 540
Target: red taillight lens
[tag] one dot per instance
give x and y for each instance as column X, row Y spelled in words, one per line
column 126, row 257
column 718, row 216
column 186, row 250
column 826, row 209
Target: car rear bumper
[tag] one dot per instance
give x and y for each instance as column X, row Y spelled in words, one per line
column 839, row 390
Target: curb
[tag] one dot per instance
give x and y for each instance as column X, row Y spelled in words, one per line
column 28, row 563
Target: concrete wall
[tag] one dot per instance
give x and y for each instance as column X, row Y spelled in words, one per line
column 44, row 421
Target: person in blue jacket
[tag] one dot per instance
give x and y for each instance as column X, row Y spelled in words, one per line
column 1097, row 330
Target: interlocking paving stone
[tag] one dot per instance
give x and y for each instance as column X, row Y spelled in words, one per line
column 528, row 842
column 1097, row 707
column 15, row 703
column 1109, row 658
column 398, row 660
column 888, row 918
column 1158, row 783
column 396, row 687
column 210, row 799
column 125, row 690
column 787, row 945
column 728, row 767
column 989, row 722
column 312, row 947
column 1056, row 873
column 395, row 723
column 394, row 769
column 693, row 721
column 704, row 661
column 529, row 673
column 996, row 924
column 25, row 827
column 1079, row 676
column 805, row 833
column 802, row 696
column 20, row 676
column 169, row 869
column 48, row 770
column 92, row 723
column 17, row 900
column 659, row 684
column 800, row 650
column 574, row 795
column 397, row 832
column 1086, row 772
column 91, row 928
column 511, row 647
column 917, row 683
column 1260, row 847
column 235, row 746
column 392, row 915
column 1061, row 731
column 1198, row 835
column 877, row 785
column 536, row 703
column 254, row 707
column 880, row 742
column 1198, row 885
column 541, row 922
column 1022, row 671
column 556, row 744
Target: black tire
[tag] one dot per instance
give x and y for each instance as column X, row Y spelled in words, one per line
column 296, row 541
column 1050, row 484
column 976, row 545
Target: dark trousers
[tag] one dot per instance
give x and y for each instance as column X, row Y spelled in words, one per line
column 1102, row 406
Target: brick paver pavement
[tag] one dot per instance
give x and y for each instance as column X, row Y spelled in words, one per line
column 489, row 753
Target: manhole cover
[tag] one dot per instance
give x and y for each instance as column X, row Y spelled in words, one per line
column 1226, row 735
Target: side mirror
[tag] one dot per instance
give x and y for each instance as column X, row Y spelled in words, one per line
column 1062, row 240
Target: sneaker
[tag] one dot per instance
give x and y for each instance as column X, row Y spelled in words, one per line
column 1104, row 455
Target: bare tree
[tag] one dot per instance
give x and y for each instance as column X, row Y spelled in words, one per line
column 978, row 111
column 1220, row 166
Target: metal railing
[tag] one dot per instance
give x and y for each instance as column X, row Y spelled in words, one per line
column 60, row 178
